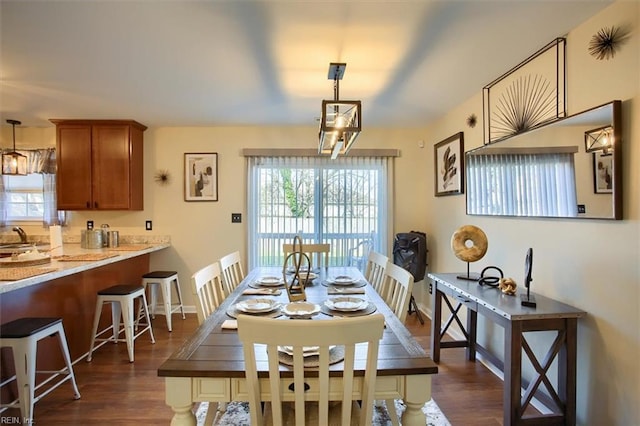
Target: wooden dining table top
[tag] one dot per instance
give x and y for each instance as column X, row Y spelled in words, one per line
column 212, row 351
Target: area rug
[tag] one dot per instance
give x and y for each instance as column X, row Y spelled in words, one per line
column 237, row 414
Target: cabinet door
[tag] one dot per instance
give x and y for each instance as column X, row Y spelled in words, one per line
column 74, row 167
column 111, row 152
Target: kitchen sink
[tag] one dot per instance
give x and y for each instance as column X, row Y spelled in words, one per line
column 9, row 248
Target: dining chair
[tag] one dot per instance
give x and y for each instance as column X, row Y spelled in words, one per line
column 208, row 292
column 374, row 273
column 398, row 286
column 299, row 335
column 232, row 272
column 318, row 253
column 207, row 289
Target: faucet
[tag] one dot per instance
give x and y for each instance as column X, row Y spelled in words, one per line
column 23, row 235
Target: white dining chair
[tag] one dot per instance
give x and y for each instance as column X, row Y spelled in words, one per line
column 398, row 286
column 232, row 271
column 318, row 253
column 208, row 293
column 374, row 273
column 207, row 289
column 255, row 332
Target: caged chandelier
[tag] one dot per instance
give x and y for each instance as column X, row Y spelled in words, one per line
column 340, row 123
column 14, row 163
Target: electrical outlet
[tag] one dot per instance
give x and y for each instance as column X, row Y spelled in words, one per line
column 582, row 208
column 148, row 225
column 430, row 288
column 236, row 217
column 89, row 224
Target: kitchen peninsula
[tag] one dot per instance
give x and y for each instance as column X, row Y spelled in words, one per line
column 69, row 290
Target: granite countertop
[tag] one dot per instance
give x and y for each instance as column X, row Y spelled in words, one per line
column 59, row 268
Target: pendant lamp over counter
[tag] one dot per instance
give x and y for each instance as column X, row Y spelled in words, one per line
column 340, row 122
column 14, row 163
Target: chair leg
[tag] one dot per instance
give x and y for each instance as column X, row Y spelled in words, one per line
column 25, row 361
column 96, row 322
column 127, row 319
column 147, row 318
column 391, row 409
column 116, row 312
column 177, row 284
column 62, row 338
column 166, row 300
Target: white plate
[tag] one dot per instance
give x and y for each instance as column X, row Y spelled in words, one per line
column 255, row 306
column 342, row 280
column 292, row 269
column 270, row 281
column 312, row 276
column 346, row 304
column 300, row 309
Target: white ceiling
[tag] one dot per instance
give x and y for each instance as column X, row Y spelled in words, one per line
column 206, row 63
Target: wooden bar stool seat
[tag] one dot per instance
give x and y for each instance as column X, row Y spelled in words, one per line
column 122, row 298
column 22, row 336
column 164, row 280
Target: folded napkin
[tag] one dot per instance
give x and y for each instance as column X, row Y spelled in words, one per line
column 345, row 290
column 230, row 325
column 262, row 291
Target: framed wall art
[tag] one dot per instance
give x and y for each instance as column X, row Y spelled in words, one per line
column 602, row 173
column 201, row 176
column 531, row 94
column 449, row 165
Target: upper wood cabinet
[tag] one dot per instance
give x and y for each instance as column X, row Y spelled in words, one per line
column 100, row 164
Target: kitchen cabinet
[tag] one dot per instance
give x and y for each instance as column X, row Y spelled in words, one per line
column 100, row 164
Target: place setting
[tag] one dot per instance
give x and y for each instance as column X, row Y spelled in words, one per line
column 347, row 306
column 311, row 355
column 344, row 284
column 267, row 285
column 257, row 306
column 301, row 310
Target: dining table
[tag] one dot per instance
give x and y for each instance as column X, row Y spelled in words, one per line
column 209, row 366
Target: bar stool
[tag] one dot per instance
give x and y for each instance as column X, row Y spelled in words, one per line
column 163, row 279
column 122, row 299
column 22, row 336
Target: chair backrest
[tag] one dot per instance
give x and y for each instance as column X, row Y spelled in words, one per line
column 232, row 272
column 323, row 334
column 397, row 292
column 207, row 289
column 318, row 253
column 376, row 265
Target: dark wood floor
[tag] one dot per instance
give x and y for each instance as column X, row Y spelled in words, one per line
column 116, row 392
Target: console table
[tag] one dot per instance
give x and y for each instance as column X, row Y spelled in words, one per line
column 505, row 310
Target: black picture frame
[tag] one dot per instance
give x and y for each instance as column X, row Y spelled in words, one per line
column 201, row 176
column 449, row 165
column 530, row 95
column 602, row 173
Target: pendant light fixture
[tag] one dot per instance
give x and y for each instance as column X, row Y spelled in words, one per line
column 14, row 163
column 600, row 139
column 340, row 122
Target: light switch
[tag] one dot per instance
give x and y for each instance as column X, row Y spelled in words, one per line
column 148, row 225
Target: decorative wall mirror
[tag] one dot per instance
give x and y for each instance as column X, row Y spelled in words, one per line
column 570, row 168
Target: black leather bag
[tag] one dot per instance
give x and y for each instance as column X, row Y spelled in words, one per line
column 410, row 253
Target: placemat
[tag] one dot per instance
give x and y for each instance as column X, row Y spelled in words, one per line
column 130, row 247
column 14, row 274
column 345, row 290
column 8, row 262
column 371, row 308
column 261, row 286
column 360, row 283
column 263, row 291
column 336, row 354
column 87, row 257
column 233, row 313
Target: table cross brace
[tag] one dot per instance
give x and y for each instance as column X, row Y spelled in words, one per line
column 542, row 371
column 453, row 316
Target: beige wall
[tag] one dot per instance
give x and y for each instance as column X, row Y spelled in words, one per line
column 591, row 264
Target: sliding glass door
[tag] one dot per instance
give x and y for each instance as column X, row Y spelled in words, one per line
column 341, row 202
